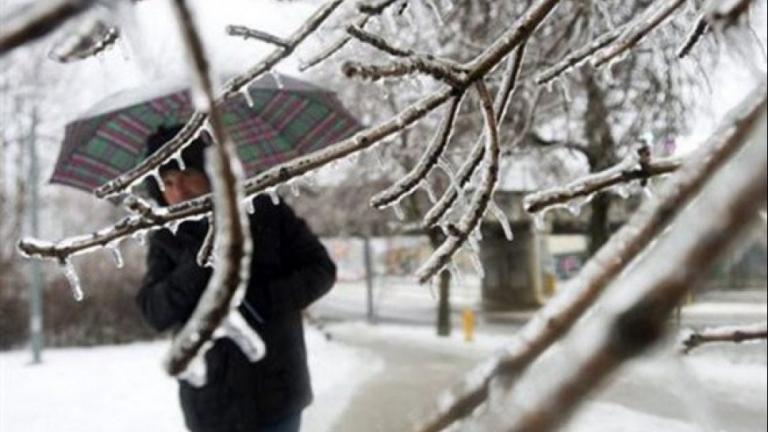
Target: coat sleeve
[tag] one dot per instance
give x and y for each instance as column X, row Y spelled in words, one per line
column 309, row 272
column 170, row 290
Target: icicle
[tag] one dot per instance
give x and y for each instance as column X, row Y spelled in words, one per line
column 243, row 335
column 648, row 192
column 574, row 206
column 478, row 265
column 474, row 243
column 428, row 189
column 74, row 280
column 540, row 221
column 117, row 256
column 274, row 196
column 173, row 227
column 197, row 371
column 141, row 237
column 621, row 190
column 478, row 233
column 158, row 179
column 503, row 220
column 248, row 97
column 398, row 211
column 180, row 161
column 294, row 185
column 566, row 90
column 456, row 274
column 436, row 10
column 278, row 80
column 250, row 207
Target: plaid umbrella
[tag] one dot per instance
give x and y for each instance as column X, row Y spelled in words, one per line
column 281, row 118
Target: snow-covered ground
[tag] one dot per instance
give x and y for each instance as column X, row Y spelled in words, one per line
column 122, row 388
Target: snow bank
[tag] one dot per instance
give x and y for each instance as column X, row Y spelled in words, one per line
column 123, row 388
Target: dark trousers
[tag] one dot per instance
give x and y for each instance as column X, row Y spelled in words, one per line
column 289, row 424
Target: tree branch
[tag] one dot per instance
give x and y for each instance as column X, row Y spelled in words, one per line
column 249, row 33
column 724, row 334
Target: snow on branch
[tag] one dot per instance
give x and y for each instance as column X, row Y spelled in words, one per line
column 94, row 38
column 480, row 201
column 195, row 124
column 636, row 31
column 630, row 169
column 367, row 11
column 736, row 334
column 38, row 20
column 262, row 36
column 637, row 307
column 437, row 69
column 559, row 315
column 425, row 164
column 227, row 285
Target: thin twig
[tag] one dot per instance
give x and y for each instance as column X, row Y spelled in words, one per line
column 627, row 171
column 637, row 30
column 699, row 29
column 425, row 164
column 480, row 201
column 736, row 334
column 249, row 33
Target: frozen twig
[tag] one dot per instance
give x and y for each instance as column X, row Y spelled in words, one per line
column 38, row 20
column 638, row 306
column 377, row 42
column 560, row 314
column 736, row 334
column 627, row 171
column 249, row 33
column 481, row 199
column 636, row 31
column 425, row 164
column 367, row 11
column 88, row 42
column 699, row 29
column 195, row 124
column 501, row 105
column 439, row 70
column 205, row 254
column 226, row 287
column 578, row 56
column 726, row 12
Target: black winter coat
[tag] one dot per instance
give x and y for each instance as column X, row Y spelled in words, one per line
column 290, row 270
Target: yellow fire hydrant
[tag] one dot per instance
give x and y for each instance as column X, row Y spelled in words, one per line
column 468, row 320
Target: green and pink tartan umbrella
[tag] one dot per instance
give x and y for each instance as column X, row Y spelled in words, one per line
column 280, row 119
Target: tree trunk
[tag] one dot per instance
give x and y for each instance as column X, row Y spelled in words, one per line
column 601, row 153
column 444, row 290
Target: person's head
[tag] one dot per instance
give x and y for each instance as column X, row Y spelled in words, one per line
column 178, row 185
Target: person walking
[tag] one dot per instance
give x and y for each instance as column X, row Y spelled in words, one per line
column 290, row 269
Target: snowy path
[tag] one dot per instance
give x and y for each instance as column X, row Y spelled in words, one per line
column 123, row 389
column 651, row 395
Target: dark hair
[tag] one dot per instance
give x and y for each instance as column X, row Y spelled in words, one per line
column 193, row 157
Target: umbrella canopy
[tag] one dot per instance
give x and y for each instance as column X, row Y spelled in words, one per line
column 279, row 119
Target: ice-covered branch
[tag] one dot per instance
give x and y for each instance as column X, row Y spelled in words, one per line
column 367, row 11
column 637, row 307
column 249, row 33
column 38, row 20
column 226, row 287
column 205, row 254
column 413, row 64
column 425, row 164
column 578, row 56
column 87, row 42
column 699, row 29
column 377, row 42
column 501, row 105
column 736, row 334
column 636, row 31
column 481, row 199
column 629, row 170
column 195, row 124
column 559, row 315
